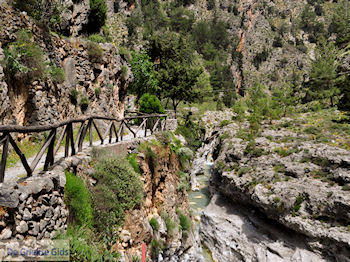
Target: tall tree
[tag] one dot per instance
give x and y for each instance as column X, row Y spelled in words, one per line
column 323, row 76
column 145, row 79
column 177, row 73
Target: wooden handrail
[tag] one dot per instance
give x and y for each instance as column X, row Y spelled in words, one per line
column 71, row 146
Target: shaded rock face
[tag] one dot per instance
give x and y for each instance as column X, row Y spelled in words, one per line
column 299, row 184
column 234, row 233
column 160, row 177
column 43, row 102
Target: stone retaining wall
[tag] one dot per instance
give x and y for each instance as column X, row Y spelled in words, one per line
column 34, row 206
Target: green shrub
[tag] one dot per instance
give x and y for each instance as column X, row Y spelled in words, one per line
column 78, row 199
column 97, row 38
column 170, row 224
column 156, row 247
column 95, row 52
column 185, row 222
column 312, row 130
column 124, row 72
column 183, row 184
column 276, row 199
column 224, row 123
column 97, row 16
column 300, row 199
column 57, row 74
column 132, row 158
column 84, row 246
column 243, row 170
column 346, row 187
column 24, row 59
column 98, row 91
column 154, row 224
column 118, row 189
column 185, row 156
column 84, row 103
column 73, row 95
column 150, row 104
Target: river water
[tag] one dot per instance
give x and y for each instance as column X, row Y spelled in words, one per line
column 199, row 199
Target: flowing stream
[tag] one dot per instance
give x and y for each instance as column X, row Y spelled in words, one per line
column 199, row 199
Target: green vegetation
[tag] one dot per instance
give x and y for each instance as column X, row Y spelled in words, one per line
column 154, row 224
column 145, row 79
column 95, row 52
column 297, row 204
column 185, row 222
column 119, row 188
column 98, row 91
column 84, row 103
column 73, row 95
column 24, row 59
column 78, row 200
column 150, row 104
column 132, row 158
column 170, row 224
column 156, row 247
column 57, row 74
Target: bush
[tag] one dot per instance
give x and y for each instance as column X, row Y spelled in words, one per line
column 156, row 247
column 150, row 104
column 132, row 158
column 118, row 189
column 57, row 74
column 73, row 95
column 95, row 52
column 154, row 224
column 98, row 91
column 78, row 199
column 185, row 222
column 170, row 224
column 84, row 247
column 224, row 123
column 84, row 103
column 97, row 38
column 97, row 16
column 24, row 58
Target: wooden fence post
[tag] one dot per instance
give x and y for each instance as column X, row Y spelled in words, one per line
column 50, row 152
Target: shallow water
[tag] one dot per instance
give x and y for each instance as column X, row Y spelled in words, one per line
column 199, row 199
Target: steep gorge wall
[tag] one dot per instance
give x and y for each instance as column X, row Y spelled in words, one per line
column 43, row 101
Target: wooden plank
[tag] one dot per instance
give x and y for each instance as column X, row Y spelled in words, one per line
column 71, row 138
column 58, row 145
column 90, row 133
column 116, row 133
column 108, row 130
column 50, row 159
column 82, row 136
column 3, row 138
column 126, row 124
column 121, row 130
column 155, row 125
column 146, row 127
column 140, row 127
column 110, row 133
column 66, row 146
column 98, row 132
column 4, row 158
column 42, row 151
column 21, row 156
column 78, row 135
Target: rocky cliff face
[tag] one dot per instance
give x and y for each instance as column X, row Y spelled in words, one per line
column 286, row 182
column 164, row 201
column 43, row 101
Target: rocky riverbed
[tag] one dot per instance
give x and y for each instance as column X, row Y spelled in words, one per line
column 282, row 198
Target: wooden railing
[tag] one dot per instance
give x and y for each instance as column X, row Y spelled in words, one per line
column 116, row 128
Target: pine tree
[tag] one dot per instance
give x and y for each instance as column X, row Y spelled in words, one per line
column 323, row 76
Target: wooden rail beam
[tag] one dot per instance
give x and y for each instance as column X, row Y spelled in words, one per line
column 50, row 156
column 4, row 157
column 42, row 151
column 21, row 155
